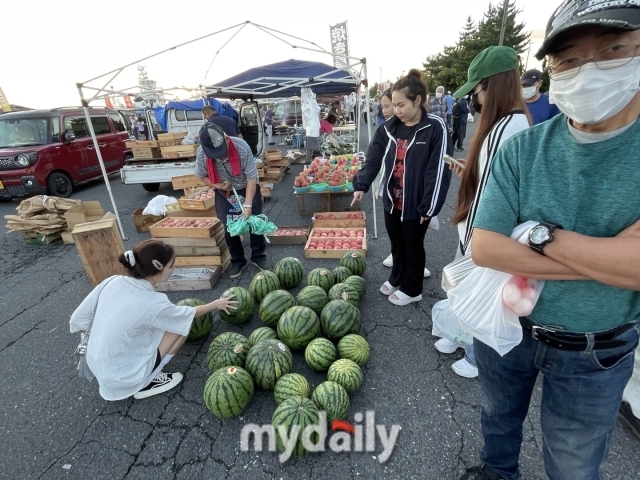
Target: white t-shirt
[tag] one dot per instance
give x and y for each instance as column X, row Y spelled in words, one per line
column 131, row 319
column 500, row 133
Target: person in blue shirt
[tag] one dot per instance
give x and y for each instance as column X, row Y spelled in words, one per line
column 449, row 100
column 538, row 103
column 228, row 125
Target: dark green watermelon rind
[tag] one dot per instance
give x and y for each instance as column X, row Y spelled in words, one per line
column 290, row 272
column 261, row 288
column 340, row 274
column 333, row 399
column 271, row 310
column 320, row 354
column 227, row 395
column 244, row 307
column 339, row 288
column 358, row 284
column 314, row 297
column 357, row 264
column 266, row 365
column 291, row 385
column 262, row 333
column 295, row 411
column 354, row 347
column 316, row 278
column 338, row 320
column 346, row 373
column 298, row 326
column 221, row 348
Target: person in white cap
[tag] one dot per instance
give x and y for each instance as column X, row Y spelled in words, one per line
column 578, row 175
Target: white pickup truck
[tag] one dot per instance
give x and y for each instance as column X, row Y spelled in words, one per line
column 151, row 173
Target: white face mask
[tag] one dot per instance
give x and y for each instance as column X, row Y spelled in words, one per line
column 595, row 95
column 438, row 95
column 528, row 92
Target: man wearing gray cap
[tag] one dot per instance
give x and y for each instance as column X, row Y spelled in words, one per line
column 537, row 103
column 578, row 175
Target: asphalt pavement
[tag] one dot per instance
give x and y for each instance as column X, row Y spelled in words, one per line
column 56, row 426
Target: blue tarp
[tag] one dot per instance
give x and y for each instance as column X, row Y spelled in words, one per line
column 285, row 79
column 222, row 108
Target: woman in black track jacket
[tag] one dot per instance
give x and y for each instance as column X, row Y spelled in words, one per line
column 409, row 147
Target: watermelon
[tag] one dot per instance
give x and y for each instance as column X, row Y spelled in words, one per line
column 291, row 385
column 244, row 307
column 340, row 318
column 354, row 261
column 262, row 284
column 342, row 291
column 354, row 347
column 346, row 373
column 226, row 350
column 274, row 305
column 298, row 326
column 295, row 411
column 313, row 297
column 267, row 361
column 341, row 274
column 201, row 326
column 228, row 391
column 320, row 354
column 321, row 277
column 289, row 271
column 261, row 333
column 358, row 284
column 333, row 399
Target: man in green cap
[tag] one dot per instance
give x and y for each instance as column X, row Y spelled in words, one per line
column 577, row 175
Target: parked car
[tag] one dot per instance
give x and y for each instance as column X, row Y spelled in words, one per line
column 287, row 114
column 51, row 151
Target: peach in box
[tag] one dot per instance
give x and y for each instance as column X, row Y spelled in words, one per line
column 340, row 219
column 194, row 227
column 334, row 242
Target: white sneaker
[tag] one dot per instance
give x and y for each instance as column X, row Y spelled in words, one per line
column 465, row 369
column 388, row 262
column 427, row 273
column 162, row 382
column 444, row 345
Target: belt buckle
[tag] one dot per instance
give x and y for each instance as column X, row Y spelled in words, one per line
column 534, row 331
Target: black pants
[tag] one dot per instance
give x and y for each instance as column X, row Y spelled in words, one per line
column 407, row 248
column 258, row 243
column 459, row 132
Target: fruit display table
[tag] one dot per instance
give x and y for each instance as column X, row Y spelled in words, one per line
column 328, row 202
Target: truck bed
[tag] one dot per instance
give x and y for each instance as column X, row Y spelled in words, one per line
column 157, row 170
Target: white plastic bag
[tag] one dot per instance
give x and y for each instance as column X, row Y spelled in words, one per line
column 479, row 302
column 188, row 140
column 156, row 205
column 447, row 325
column 469, row 118
column 457, row 271
column 310, row 113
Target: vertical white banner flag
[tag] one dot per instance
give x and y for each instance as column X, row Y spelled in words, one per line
column 340, row 44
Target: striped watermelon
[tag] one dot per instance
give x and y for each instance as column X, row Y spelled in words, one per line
column 342, row 291
column 354, row 347
column 320, row 354
column 358, row 284
column 298, row 326
column 262, row 284
column 341, row 274
column 261, row 333
column 289, row 271
column 274, row 305
column 295, row 411
column 354, row 261
column 267, row 361
column 201, row 326
column 226, row 350
column 313, row 297
column 321, row 277
column 228, row 391
column 340, row 318
column 346, row 373
column 291, row 385
column 244, row 307
column 333, row 399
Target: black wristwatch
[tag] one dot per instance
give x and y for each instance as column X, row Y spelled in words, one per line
column 540, row 236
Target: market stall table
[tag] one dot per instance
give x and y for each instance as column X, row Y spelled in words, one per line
column 328, row 202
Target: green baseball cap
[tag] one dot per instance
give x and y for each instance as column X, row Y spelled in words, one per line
column 489, row 62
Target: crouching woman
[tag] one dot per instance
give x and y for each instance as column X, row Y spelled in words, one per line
column 135, row 330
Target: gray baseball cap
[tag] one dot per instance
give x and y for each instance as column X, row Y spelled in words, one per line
column 623, row 14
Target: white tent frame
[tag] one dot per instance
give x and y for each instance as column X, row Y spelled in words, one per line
column 101, row 92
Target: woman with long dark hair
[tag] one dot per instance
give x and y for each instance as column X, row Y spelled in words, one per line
column 410, row 146
column 494, row 81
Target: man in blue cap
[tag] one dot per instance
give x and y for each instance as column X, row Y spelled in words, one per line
column 578, row 175
column 538, row 103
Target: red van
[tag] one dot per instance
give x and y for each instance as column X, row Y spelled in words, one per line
column 51, row 151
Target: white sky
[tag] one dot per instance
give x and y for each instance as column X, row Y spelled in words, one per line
column 47, row 46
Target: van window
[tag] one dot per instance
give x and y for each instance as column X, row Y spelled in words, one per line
column 118, row 122
column 55, row 129
column 77, row 125
column 180, row 116
column 195, row 115
column 101, row 125
column 20, row 132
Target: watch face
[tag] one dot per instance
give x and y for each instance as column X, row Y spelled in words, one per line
column 539, row 235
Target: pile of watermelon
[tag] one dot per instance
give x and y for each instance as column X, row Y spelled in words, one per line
column 323, row 322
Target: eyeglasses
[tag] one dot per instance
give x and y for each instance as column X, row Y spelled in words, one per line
column 608, row 58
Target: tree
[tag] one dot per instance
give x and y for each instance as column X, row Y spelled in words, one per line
column 373, row 90
column 449, row 68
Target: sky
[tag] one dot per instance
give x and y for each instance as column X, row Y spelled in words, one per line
column 48, row 47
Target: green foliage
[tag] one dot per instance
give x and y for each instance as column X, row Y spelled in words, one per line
column 373, row 90
column 449, row 68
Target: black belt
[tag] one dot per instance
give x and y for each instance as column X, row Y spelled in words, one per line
column 575, row 341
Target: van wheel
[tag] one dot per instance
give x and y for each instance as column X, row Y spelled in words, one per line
column 151, row 187
column 60, row 185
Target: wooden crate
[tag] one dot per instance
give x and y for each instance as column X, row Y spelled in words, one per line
column 200, row 251
column 290, row 239
column 216, row 241
column 140, row 143
column 203, row 261
column 170, row 155
column 190, row 279
column 189, row 203
column 274, row 174
column 171, row 136
column 186, row 181
column 169, row 143
column 145, row 153
column 180, row 148
column 273, row 154
column 340, row 220
column 178, row 212
column 159, row 231
column 143, row 222
column 281, row 162
column 37, row 238
column 325, row 253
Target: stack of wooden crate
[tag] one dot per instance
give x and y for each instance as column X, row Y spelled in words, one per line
column 143, row 149
column 275, row 166
column 171, row 145
column 187, row 205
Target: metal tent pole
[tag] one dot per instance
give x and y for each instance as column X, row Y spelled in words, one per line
column 373, row 196
column 85, row 107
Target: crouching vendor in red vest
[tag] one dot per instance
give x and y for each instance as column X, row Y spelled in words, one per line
column 225, row 162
